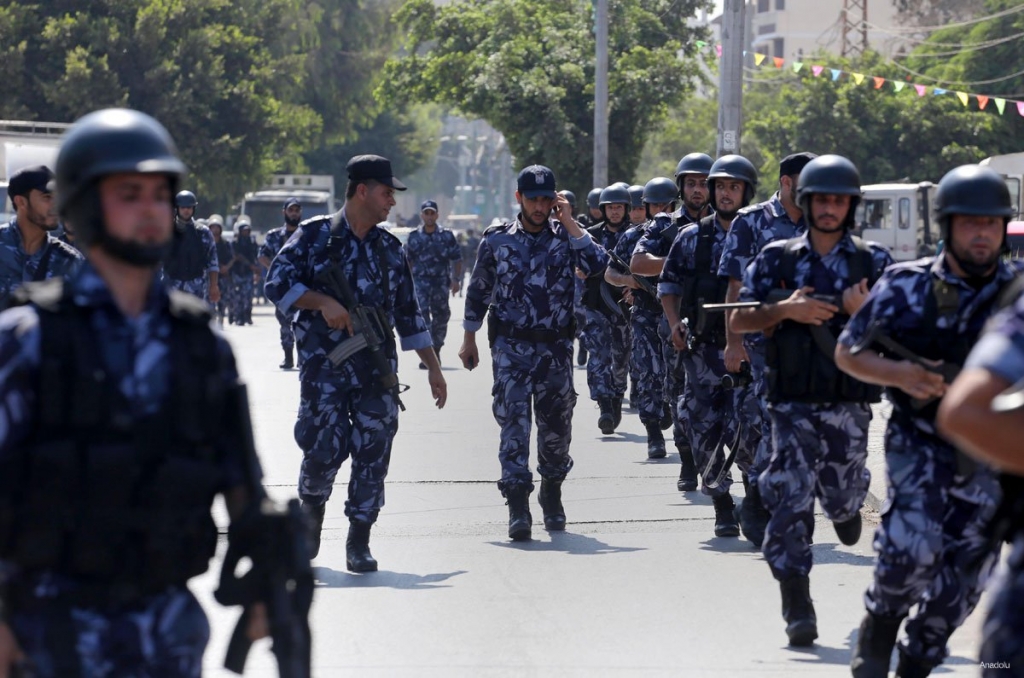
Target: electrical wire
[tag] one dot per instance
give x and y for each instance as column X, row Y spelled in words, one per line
column 969, row 22
column 946, row 84
column 976, row 47
column 928, row 41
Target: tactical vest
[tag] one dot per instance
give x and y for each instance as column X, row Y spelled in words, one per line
column 119, row 504
column 597, row 293
column 702, row 286
column 798, row 368
column 187, row 260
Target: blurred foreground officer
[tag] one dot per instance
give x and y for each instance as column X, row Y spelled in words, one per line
column 272, row 244
column 106, row 487
column 983, row 413
column 523, row 282
column 28, row 249
column 436, row 262
column 191, row 264
column 819, row 415
column 350, row 282
column 934, row 547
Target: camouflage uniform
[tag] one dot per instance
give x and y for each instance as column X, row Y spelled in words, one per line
column 819, row 449
column 606, row 332
column 225, row 253
column 199, row 285
column 17, row 267
column 343, row 411
column 163, row 634
column 272, row 244
column 708, row 406
column 241, row 276
column 526, row 282
column 1001, row 351
column 932, row 545
column 432, row 257
column 752, row 229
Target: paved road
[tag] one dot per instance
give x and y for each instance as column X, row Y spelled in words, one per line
column 637, row 585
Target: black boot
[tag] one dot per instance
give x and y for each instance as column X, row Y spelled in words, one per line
column 617, row 411
column 288, row 361
column 606, row 420
column 875, row 641
column 912, row 668
column 581, row 355
column 315, row 522
column 798, row 611
column 357, row 548
column 550, row 497
column 519, row 519
column 688, row 473
column 666, row 418
column 725, row 520
column 655, row 441
column 753, row 517
column 848, row 531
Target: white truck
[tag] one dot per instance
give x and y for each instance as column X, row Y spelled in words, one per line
column 1011, row 166
column 900, row 217
column 25, row 144
column 315, row 192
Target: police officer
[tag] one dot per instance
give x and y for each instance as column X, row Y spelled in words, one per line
column 28, row 250
column 272, row 244
column 225, row 259
column 607, row 328
column 778, row 218
column 981, row 413
column 637, row 211
column 593, row 215
column 191, row 264
column 436, row 261
column 350, row 408
column 649, row 259
column 934, row 532
column 689, row 280
column 106, row 488
column 244, row 271
column 523, row 284
column 647, row 361
column 819, row 415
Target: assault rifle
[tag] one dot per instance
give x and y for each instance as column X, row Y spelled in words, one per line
column 644, row 283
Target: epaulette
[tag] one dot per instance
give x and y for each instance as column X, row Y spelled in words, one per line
column 495, row 228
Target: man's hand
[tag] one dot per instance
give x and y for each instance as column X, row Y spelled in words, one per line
column 10, row 651
column 468, row 354
column 580, row 274
column 803, row 308
column 214, row 293
column 735, row 355
column 438, row 386
column 336, row 316
column 455, row 287
column 918, row 382
column 259, row 622
column 854, row 296
column 679, row 336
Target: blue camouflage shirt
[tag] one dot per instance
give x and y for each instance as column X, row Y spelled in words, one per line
column 528, row 279
column 1000, row 349
column 752, row 229
column 379, row 276
column 431, row 255
column 897, row 303
column 682, row 257
column 624, row 248
column 274, row 241
column 17, row 267
column 662, row 231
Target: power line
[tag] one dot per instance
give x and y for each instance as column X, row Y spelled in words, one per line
column 968, row 22
column 961, row 85
column 965, row 48
column 928, row 41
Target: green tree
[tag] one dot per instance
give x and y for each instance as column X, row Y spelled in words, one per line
column 527, row 68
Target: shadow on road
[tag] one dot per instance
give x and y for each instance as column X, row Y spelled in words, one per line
column 730, row 545
column 327, row 577
column 820, row 654
column 567, row 542
column 828, row 554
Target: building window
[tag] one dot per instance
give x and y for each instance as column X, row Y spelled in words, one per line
column 779, row 47
column 780, row 5
column 764, row 5
column 765, row 29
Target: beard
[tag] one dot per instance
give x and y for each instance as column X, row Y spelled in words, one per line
column 292, row 222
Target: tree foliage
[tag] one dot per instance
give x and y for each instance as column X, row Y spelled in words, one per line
column 527, row 68
column 936, row 12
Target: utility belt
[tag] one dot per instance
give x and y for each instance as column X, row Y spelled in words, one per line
column 498, row 328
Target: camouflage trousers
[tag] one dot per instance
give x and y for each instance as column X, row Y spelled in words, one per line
column 432, row 296
column 675, row 387
column 752, row 403
column 286, row 333
column 818, row 451
column 712, row 417
column 165, row 637
column 226, row 296
column 1003, row 634
column 241, row 295
column 198, row 287
column 608, row 343
column 538, row 378
column 336, row 423
column 579, row 311
column 647, row 365
column 933, row 546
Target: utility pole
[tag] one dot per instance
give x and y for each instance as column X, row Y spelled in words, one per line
column 601, row 95
column 855, row 20
column 730, row 82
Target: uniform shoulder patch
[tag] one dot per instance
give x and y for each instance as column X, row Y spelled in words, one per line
column 67, row 251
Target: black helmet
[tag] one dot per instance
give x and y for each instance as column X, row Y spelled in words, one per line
column 973, row 189
column 594, row 198
column 733, row 167
column 660, row 190
column 186, row 199
column 828, row 174
column 617, row 193
column 110, row 141
column 636, row 196
column 571, row 197
column 694, row 163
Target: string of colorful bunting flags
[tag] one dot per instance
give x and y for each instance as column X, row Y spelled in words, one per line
column 879, row 82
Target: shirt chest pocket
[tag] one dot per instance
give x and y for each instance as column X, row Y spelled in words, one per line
column 512, row 271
